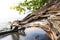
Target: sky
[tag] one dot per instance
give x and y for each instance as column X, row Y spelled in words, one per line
column 6, row 14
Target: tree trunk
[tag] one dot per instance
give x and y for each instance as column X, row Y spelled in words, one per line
column 50, row 11
column 53, row 6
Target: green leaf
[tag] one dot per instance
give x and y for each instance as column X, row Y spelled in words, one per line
column 32, row 5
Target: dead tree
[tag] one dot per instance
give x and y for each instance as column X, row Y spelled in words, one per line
column 45, row 12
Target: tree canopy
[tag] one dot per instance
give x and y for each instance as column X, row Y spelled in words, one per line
column 31, row 5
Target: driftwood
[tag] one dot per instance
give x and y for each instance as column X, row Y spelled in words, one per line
column 52, row 9
column 49, row 12
column 14, row 31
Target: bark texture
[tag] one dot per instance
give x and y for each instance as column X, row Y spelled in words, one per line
column 50, row 13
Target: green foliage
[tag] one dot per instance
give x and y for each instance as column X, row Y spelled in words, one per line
column 32, row 5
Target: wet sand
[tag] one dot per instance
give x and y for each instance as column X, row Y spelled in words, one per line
column 36, row 34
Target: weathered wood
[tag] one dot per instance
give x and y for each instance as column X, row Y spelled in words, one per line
column 46, row 12
column 6, row 32
column 13, row 31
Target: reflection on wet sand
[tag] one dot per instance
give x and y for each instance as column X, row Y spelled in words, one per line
column 15, row 36
column 10, row 36
column 31, row 34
